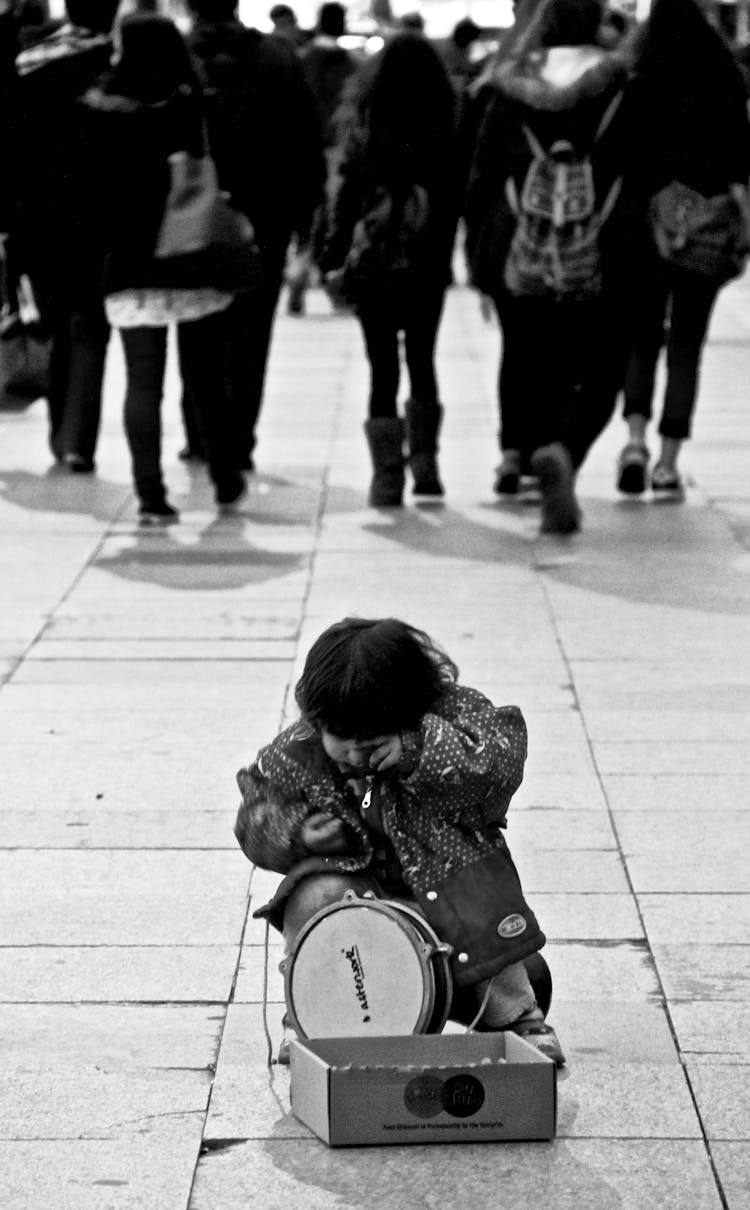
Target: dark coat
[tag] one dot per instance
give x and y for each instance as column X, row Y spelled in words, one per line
column 263, row 129
column 124, row 178
column 443, row 810
column 571, row 112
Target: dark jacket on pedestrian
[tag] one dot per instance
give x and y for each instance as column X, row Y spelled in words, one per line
column 561, row 93
column 443, row 808
column 263, row 128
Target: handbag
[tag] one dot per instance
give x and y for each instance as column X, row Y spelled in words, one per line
column 205, row 240
column 705, row 235
column 24, row 347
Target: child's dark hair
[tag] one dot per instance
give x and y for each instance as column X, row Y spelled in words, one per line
column 372, row 677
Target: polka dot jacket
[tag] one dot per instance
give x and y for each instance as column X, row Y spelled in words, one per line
column 443, row 809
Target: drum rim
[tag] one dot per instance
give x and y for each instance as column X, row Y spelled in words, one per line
column 432, row 1018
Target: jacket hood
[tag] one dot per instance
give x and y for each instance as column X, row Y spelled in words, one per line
column 559, row 77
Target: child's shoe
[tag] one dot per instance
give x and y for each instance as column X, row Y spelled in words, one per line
column 539, row 1034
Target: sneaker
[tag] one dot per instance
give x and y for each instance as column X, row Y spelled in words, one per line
column 187, row 454
column 666, row 484
column 631, row 469
column 157, row 514
column 539, row 1034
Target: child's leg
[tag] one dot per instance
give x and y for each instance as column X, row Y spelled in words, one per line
column 313, row 894
column 510, row 996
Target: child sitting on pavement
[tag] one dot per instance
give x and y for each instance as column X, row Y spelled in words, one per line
column 397, row 780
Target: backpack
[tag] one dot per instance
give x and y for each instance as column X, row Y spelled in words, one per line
column 554, row 249
column 386, row 242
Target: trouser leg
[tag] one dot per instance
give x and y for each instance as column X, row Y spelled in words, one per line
column 145, row 360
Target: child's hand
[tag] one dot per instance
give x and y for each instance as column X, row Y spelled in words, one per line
column 387, row 754
column 322, row 834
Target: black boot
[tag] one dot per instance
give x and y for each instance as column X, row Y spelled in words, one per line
column 385, row 437
column 423, row 422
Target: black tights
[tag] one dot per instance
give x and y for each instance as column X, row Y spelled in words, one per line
column 381, row 327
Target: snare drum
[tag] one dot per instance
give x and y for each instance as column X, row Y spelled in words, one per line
column 367, row 967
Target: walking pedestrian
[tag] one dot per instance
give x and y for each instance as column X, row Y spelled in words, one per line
column 53, row 243
column 266, row 142
column 148, row 108
column 700, row 135
column 549, row 237
column 390, row 240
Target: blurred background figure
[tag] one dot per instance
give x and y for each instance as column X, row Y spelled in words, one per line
column 286, row 26
column 456, row 53
column 328, row 68
column 390, row 240
column 266, row 142
column 147, row 108
column 51, row 241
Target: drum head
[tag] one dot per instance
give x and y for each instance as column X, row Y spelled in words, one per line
column 358, row 970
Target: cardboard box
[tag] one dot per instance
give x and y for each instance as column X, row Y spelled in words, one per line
column 444, row 1088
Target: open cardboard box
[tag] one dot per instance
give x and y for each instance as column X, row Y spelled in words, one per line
column 424, row 1088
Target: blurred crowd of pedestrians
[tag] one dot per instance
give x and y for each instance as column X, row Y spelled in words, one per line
column 592, row 169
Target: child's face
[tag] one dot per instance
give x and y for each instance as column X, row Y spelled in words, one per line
column 350, row 755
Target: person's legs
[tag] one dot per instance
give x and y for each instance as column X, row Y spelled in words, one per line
column 145, row 360
column 202, row 347
column 648, row 318
column 83, row 402
column 249, row 328
column 693, row 299
column 515, row 390
column 384, row 429
column 424, row 412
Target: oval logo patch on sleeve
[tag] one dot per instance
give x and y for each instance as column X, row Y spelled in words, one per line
column 511, row 926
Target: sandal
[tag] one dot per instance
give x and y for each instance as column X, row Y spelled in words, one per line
column 666, row 483
column 631, row 469
column 541, row 1036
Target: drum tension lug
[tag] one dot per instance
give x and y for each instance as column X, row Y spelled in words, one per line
column 444, row 948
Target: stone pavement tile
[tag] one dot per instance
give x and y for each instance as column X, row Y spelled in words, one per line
column 207, row 732
column 666, row 852
column 625, row 1100
column 619, row 1031
column 571, row 791
column 722, row 1095
column 540, row 829
column 118, row 897
column 716, row 1027
column 125, row 579
column 252, row 972
column 732, row 1162
column 71, row 774
column 575, row 870
column 89, row 827
column 569, row 1174
column 101, row 1174
column 674, row 791
column 704, row 972
column 578, row 916
column 127, row 696
column 668, row 684
column 249, row 1100
column 210, row 651
column 691, row 723
column 201, row 619
column 587, row 970
column 690, row 918
column 201, row 676
column 89, row 974
column 646, row 757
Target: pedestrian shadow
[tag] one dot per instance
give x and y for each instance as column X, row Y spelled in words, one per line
column 58, row 491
